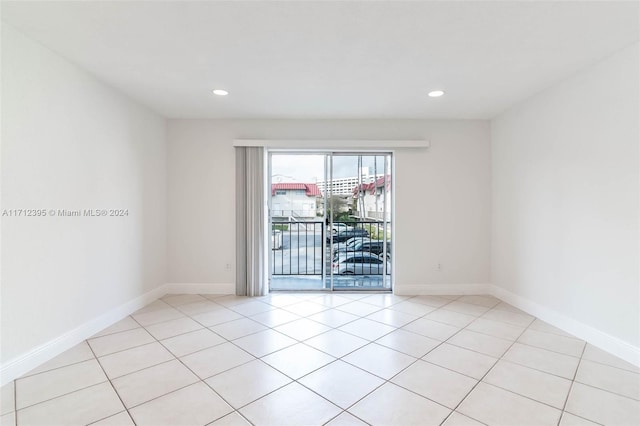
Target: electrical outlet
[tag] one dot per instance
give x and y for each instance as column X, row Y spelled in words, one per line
column 227, row 266
column 439, row 267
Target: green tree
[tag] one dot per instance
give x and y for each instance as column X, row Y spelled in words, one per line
column 337, row 209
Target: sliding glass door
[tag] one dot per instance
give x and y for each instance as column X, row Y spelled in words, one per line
column 359, row 219
column 330, row 221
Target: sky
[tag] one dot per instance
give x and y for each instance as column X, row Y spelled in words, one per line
column 310, row 168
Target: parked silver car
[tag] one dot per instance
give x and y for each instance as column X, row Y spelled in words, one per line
column 359, row 263
column 339, row 227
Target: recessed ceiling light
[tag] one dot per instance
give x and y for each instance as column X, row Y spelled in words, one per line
column 220, row 92
column 436, row 93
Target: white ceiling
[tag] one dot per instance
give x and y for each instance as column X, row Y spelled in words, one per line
column 329, row 59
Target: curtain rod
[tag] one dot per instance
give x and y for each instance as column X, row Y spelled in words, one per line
column 332, row 144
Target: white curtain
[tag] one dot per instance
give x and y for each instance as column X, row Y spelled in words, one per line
column 250, row 222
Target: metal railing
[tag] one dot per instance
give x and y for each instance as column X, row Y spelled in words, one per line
column 297, row 248
column 300, row 213
column 349, row 248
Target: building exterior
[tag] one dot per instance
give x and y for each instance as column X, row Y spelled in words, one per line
column 293, row 201
column 376, row 197
column 344, row 186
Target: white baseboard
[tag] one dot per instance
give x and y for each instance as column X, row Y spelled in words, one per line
column 200, row 288
column 436, row 289
column 596, row 337
column 22, row 364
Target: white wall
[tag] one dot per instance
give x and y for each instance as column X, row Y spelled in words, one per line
column 442, row 196
column 70, row 142
column 565, row 200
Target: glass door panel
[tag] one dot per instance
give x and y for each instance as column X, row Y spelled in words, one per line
column 297, row 223
column 360, row 221
column 330, row 221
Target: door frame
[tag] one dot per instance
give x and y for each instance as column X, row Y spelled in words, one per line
column 328, row 153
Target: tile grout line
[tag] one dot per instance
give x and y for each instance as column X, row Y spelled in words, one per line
column 143, row 327
column 637, row 373
column 545, row 372
column 582, row 418
column 433, row 349
column 165, row 362
column 24, row 376
column 331, row 328
column 575, row 374
column 523, row 343
column 246, row 317
column 549, row 350
column 112, row 386
column 252, row 401
column 64, row 394
column 200, row 380
column 482, row 378
column 344, row 411
column 447, row 368
column 608, row 391
column 112, row 415
column 196, row 351
column 61, row 395
column 116, row 352
column 335, row 359
column 97, row 336
column 292, row 380
column 369, row 341
column 534, row 368
column 343, row 361
column 388, row 381
column 372, row 341
column 233, row 412
column 300, row 384
column 503, row 388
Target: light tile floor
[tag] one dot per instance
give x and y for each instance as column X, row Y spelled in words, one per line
column 335, row 359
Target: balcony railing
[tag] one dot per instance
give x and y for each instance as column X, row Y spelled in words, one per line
column 297, row 248
column 358, row 248
column 308, row 213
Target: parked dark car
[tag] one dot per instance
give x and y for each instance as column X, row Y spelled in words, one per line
column 365, row 246
column 346, row 245
column 345, row 235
